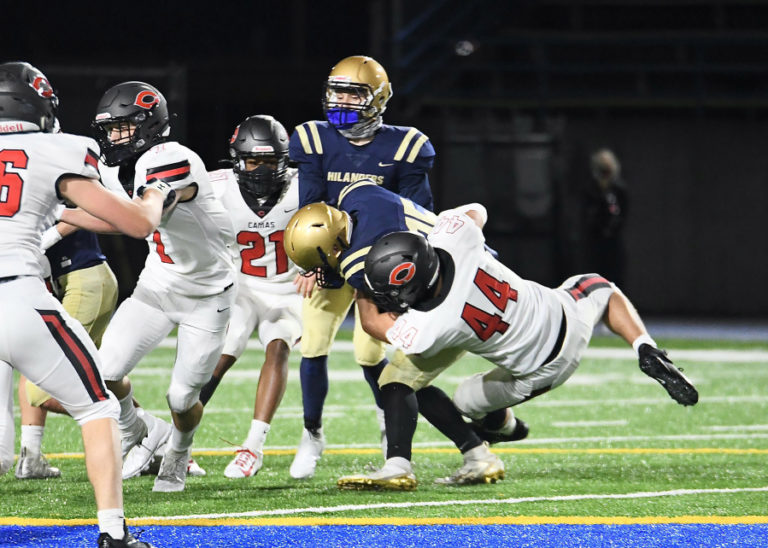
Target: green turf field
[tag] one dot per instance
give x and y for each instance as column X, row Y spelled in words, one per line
column 608, row 443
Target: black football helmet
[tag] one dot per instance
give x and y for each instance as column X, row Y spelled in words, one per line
column 260, row 137
column 135, row 103
column 400, row 270
column 27, row 99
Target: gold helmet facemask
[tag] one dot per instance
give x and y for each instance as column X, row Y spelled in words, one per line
column 356, row 95
column 315, row 238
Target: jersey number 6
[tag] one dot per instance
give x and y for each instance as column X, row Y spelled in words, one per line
column 11, row 183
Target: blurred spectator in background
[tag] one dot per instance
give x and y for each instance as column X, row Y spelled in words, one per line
column 606, row 210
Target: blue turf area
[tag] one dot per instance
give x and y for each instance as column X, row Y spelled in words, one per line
column 559, row 536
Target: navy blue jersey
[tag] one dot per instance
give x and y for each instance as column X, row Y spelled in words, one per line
column 397, row 159
column 375, row 212
column 74, row 252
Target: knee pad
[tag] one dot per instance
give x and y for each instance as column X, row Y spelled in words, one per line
column 181, row 398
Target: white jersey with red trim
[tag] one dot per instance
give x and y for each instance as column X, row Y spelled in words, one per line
column 190, row 252
column 263, row 264
column 31, row 165
column 488, row 309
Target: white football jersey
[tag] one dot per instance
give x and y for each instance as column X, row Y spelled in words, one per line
column 262, row 263
column 30, row 166
column 189, row 253
column 488, row 310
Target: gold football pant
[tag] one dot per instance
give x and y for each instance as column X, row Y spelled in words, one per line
column 322, row 315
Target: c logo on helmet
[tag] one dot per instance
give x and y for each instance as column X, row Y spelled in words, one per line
column 402, row 273
column 146, row 99
column 43, row 87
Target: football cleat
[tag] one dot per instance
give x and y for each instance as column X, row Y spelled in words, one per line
column 395, row 475
column 128, row 541
column 34, row 466
column 172, row 475
column 655, row 364
column 480, row 466
column 309, row 452
column 140, row 456
column 519, row 432
column 129, row 439
column 246, row 463
column 194, row 469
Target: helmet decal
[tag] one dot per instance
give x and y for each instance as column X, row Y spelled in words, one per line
column 43, row 87
column 146, row 99
column 402, row 273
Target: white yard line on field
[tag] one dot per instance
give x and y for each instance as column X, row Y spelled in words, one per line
column 625, row 353
column 475, row 502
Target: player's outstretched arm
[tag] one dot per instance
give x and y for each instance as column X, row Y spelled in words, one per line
column 374, row 323
column 137, row 218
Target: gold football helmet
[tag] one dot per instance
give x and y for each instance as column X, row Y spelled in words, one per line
column 315, row 238
column 356, row 95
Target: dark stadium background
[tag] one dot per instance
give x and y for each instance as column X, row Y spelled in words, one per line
column 514, row 96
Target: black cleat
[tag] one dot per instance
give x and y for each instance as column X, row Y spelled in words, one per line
column 494, row 436
column 128, row 541
column 655, row 364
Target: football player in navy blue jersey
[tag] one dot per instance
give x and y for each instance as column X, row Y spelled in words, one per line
column 351, row 145
column 332, row 244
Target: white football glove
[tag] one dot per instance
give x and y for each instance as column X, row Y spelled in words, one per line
column 169, row 195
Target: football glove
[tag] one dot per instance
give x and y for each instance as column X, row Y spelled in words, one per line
column 169, row 195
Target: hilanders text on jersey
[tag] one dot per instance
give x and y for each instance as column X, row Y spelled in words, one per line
column 349, row 177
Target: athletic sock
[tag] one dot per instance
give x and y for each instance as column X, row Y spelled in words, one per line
column 642, row 339
column 439, row 410
column 314, row 388
column 112, row 522
column 128, row 417
column 181, row 441
column 32, row 438
column 372, row 374
column 257, row 435
column 401, row 411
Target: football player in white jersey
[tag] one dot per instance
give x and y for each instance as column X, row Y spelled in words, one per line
column 261, row 194
column 38, row 170
column 435, row 298
column 187, row 281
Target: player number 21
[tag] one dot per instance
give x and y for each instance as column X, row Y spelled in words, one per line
column 483, row 323
column 257, row 250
